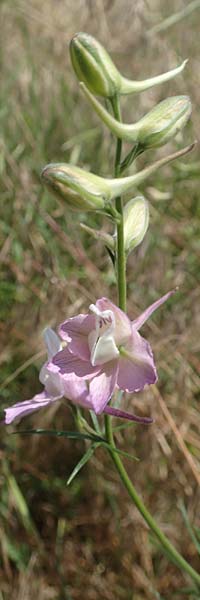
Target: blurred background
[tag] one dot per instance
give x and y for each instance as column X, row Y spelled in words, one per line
column 87, row 540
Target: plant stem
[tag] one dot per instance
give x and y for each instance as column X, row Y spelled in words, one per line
column 121, row 258
column 166, row 544
column 121, row 272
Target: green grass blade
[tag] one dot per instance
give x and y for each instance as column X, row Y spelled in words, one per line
column 189, row 527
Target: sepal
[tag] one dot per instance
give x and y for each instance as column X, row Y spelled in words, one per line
column 136, row 221
column 93, row 65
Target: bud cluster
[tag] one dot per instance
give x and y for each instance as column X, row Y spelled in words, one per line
column 84, row 191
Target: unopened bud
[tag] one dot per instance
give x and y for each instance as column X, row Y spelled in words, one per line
column 164, row 121
column 156, row 128
column 136, row 221
column 81, row 190
column 93, row 65
column 85, row 191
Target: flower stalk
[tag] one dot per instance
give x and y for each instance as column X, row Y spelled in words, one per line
column 102, row 351
column 167, row 546
column 121, row 256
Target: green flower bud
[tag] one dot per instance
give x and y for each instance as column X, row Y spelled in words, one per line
column 164, row 121
column 136, row 221
column 85, row 191
column 156, row 128
column 81, row 190
column 93, row 65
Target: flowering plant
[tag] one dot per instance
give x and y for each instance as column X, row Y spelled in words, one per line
column 102, row 352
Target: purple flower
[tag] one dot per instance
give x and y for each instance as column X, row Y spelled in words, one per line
column 105, row 350
column 55, row 386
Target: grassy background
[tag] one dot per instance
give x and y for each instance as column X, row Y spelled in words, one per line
column 87, row 540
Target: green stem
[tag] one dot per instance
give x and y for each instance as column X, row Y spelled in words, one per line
column 121, row 257
column 121, row 273
column 166, row 544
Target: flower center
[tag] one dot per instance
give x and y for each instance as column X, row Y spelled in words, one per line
column 101, row 339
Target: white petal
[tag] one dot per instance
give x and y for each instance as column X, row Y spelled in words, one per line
column 101, row 339
column 104, row 350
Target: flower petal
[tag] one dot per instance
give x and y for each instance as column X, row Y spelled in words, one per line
column 73, row 388
column 76, row 390
column 102, row 386
column 52, row 342
column 122, row 322
column 75, row 331
column 69, row 364
column 137, row 368
column 101, row 339
column 104, row 350
column 115, row 412
column 137, row 323
column 21, row 409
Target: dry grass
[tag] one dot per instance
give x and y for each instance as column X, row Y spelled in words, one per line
column 87, row 540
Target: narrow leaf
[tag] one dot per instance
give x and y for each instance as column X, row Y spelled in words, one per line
column 74, row 435
column 123, row 426
column 95, row 421
column 88, row 454
column 122, row 452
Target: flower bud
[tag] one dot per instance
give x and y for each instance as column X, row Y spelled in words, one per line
column 81, row 190
column 136, row 221
column 164, row 121
column 156, row 128
column 93, row 65
column 85, row 191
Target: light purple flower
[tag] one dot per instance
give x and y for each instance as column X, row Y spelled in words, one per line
column 55, row 387
column 105, row 349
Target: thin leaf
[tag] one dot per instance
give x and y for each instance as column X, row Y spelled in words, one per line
column 95, row 421
column 88, row 454
column 123, row 426
column 122, row 452
column 74, row 435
